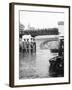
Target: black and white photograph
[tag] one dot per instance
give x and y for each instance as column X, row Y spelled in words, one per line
column 41, row 44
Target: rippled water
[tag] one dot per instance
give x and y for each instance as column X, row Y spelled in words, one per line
column 35, row 65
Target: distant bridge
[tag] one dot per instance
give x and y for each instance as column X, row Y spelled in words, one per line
column 41, row 41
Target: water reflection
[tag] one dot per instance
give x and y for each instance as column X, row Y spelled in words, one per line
column 36, row 64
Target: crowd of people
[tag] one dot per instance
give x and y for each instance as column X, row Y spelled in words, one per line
column 27, row 46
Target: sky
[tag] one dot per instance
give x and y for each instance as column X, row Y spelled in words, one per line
column 40, row 19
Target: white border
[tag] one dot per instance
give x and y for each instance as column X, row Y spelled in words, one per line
column 16, row 47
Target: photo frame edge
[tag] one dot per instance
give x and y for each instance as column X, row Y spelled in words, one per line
column 11, row 45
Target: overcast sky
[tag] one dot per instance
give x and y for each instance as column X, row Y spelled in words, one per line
column 40, row 19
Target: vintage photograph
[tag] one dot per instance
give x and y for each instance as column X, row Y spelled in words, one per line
column 41, row 44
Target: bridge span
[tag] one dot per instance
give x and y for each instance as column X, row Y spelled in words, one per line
column 42, row 41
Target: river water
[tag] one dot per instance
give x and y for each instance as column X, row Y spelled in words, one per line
column 35, row 65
